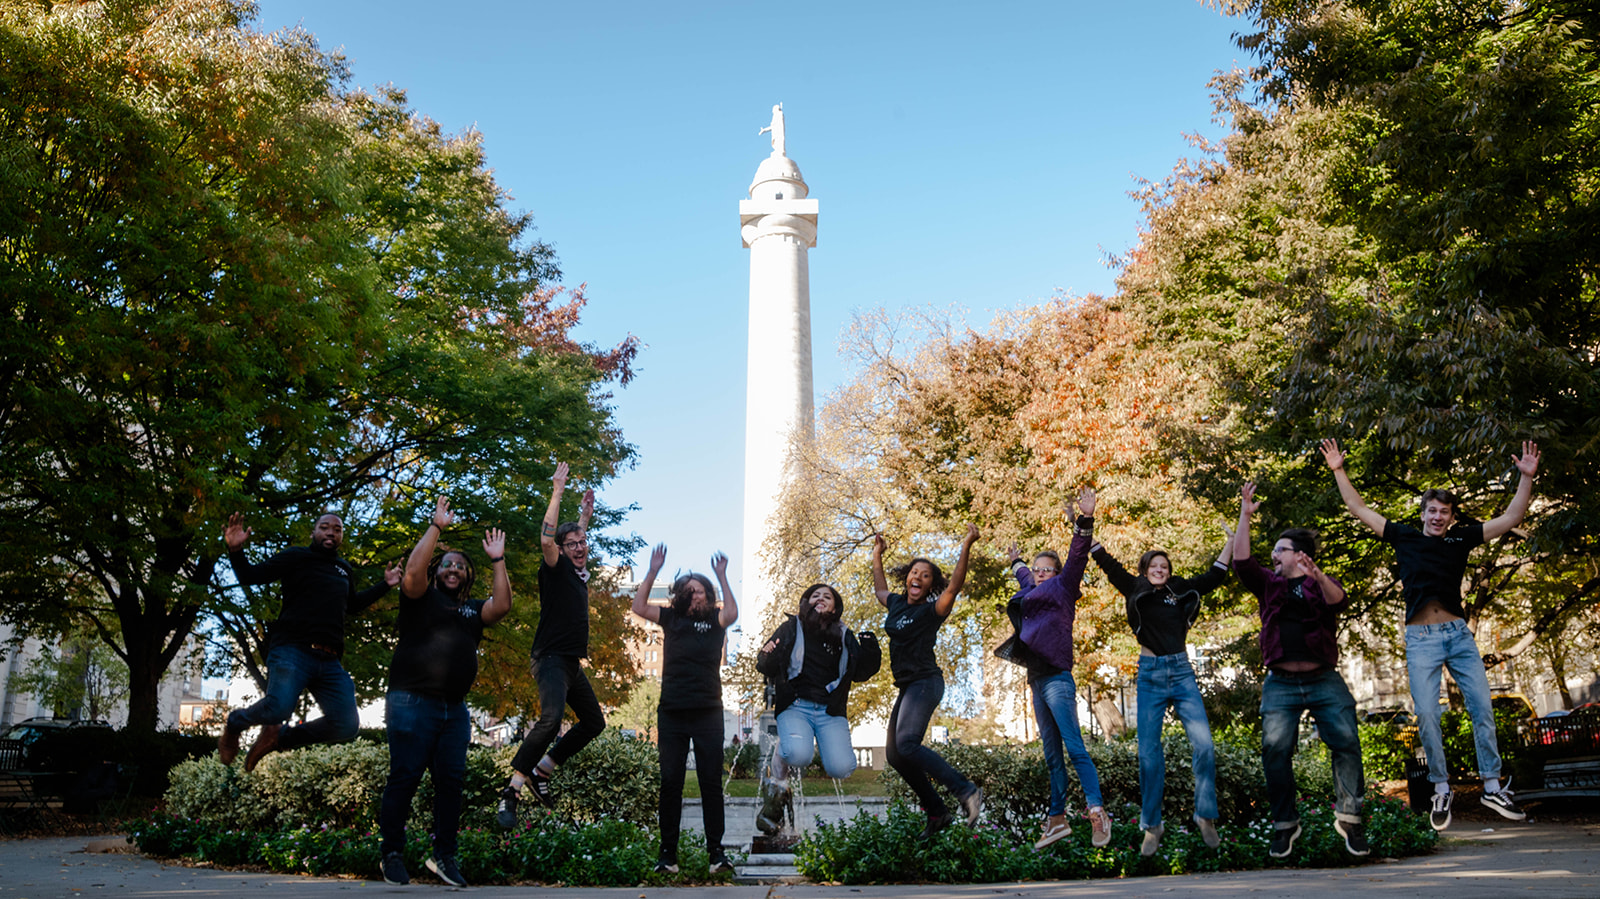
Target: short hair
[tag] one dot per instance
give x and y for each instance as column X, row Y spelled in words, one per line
column 1048, row 554
column 1439, row 494
column 472, row 572
column 1304, row 540
column 1150, row 556
column 567, row 527
column 814, row 620
column 939, row 580
column 680, row 592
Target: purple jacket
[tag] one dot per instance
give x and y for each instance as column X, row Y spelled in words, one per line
column 1270, row 588
column 1049, row 609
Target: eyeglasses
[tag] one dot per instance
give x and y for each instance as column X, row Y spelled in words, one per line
column 1041, row 572
column 575, row 544
column 1279, row 550
column 452, row 566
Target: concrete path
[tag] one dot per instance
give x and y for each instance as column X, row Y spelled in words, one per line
column 1540, row 860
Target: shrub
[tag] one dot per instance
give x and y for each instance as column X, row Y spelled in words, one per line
column 1384, row 751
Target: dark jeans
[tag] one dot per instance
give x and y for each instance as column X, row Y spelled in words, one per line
column 425, row 734
column 293, row 669
column 1284, row 698
column 676, row 731
column 908, row 724
column 561, row 684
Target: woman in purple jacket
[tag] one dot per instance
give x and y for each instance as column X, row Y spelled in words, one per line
column 1047, row 610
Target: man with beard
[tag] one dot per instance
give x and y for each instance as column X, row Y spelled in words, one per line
column 560, row 644
column 1299, row 606
column 434, row 666
column 693, row 637
column 304, row 644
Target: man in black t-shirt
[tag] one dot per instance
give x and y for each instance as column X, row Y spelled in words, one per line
column 1432, row 564
column 434, row 666
column 304, row 644
column 559, row 646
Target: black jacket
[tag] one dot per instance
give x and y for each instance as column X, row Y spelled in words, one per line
column 1137, row 588
column 864, row 658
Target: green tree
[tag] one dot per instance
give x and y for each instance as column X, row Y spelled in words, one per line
column 78, row 678
column 236, row 284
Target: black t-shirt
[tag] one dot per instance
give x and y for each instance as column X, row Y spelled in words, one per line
column 563, row 611
column 1293, row 620
column 318, row 592
column 1432, row 567
column 691, row 662
column 438, row 650
column 912, row 629
column 820, row 666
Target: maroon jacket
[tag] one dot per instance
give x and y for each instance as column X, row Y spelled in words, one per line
column 1271, row 589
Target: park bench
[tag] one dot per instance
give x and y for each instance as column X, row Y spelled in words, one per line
column 1561, row 756
column 23, row 799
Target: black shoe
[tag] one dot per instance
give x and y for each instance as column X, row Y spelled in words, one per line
column 447, row 871
column 721, row 865
column 539, row 785
column 1439, row 816
column 973, row 806
column 1355, row 835
column 1502, row 802
column 1283, row 841
column 505, row 814
column 936, row 823
column 394, row 870
column 667, row 866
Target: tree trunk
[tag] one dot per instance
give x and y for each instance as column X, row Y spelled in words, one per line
column 1110, row 717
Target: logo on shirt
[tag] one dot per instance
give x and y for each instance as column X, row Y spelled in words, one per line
column 467, row 611
column 702, row 627
column 899, row 624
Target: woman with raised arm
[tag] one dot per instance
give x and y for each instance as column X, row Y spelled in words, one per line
column 1161, row 608
column 912, row 623
column 1046, row 607
column 693, row 640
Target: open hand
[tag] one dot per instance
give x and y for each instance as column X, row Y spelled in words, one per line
column 494, row 543
column 1528, row 464
column 235, row 534
column 719, row 565
column 1331, row 454
column 658, row 558
column 1086, row 502
column 443, row 518
column 559, row 479
column 393, row 574
column 1247, row 498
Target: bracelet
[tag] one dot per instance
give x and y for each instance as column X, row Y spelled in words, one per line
column 494, row 559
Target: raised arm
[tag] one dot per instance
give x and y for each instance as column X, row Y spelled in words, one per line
column 1358, row 507
column 958, row 578
column 730, row 606
column 641, row 597
column 235, row 535
column 880, row 584
column 1078, row 551
column 552, row 517
column 1527, row 466
column 1019, row 569
column 499, row 604
column 414, row 582
column 1248, row 504
column 586, row 510
column 1225, row 557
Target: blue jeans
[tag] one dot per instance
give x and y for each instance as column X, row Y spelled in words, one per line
column 1055, row 707
column 908, row 724
column 425, row 734
column 1430, row 648
column 1284, row 699
column 293, row 669
column 561, row 684
column 1169, row 681
column 806, row 724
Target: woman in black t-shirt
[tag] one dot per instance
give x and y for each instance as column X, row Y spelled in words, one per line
column 693, row 638
column 912, row 624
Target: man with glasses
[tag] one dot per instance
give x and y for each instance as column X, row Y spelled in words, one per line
column 559, row 646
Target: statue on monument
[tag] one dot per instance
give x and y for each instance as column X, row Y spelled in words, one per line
column 777, row 131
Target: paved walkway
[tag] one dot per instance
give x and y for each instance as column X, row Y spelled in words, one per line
column 1542, row 860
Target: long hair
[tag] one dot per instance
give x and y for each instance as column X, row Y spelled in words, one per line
column 939, row 580
column 817, row 622
column 680, row 593
column 466, row 583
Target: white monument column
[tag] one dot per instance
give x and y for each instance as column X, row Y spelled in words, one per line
column 779, row 226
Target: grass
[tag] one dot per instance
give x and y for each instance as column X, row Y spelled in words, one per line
column 864, row 782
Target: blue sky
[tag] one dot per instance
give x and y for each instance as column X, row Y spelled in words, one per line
column 965, row 156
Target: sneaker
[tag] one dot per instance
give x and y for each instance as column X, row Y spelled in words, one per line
column 721, row 865
column 936, row 823
column 1502, row 802
column 539, row 785
column 666, row 866
column 394, row 870
column 1439, row 817
column 1208, row 831
column 505, row 812
column 1100, row 824
column 1152, row 840
column 1283, row 841
column 446, row 870
column 228, row 745
column 973, row 806
column 1055, row 828
column 265, row 742
column 1354, row 833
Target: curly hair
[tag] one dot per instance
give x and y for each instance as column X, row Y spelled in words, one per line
column 939, row 580
column 680, row 593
